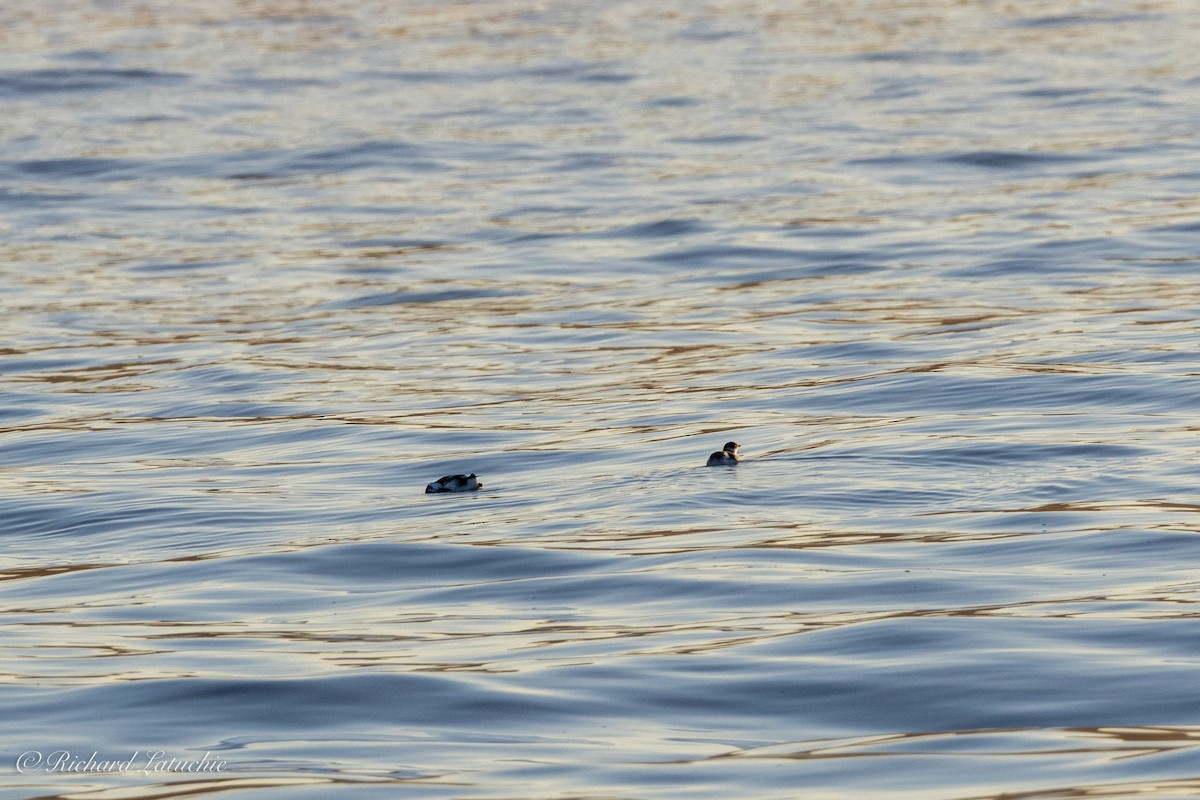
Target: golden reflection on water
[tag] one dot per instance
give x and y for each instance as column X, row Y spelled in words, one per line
column 342, row 248
column 1118, row 741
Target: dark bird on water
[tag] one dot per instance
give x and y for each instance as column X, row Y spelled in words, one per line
column 454, row 483
column 727, row 456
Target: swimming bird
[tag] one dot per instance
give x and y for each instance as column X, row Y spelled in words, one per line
column 454, row 483
column 727, row 456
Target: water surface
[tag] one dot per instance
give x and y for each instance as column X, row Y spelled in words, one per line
column 269, row 269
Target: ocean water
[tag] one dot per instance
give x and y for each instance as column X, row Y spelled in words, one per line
column 269, row 268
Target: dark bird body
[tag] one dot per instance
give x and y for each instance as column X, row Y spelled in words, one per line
column 454, row 483
column 727, row 456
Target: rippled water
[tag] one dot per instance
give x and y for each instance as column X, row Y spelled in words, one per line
column 269, row 268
